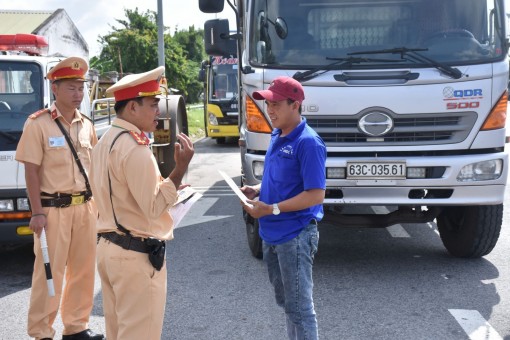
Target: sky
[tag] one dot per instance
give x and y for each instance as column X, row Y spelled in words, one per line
column 95, row 17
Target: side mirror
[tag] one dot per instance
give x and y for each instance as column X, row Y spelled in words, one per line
column 217, row 38
column 211, row 6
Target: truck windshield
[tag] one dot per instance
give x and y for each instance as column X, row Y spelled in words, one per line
column 306, row 33
column 223, row 79
column 21, row 89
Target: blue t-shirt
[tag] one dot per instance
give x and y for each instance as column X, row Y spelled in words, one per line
column 293, row 164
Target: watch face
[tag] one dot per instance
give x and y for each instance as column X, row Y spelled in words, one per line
column 276, row 210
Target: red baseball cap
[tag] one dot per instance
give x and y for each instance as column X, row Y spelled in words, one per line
column 282, row 88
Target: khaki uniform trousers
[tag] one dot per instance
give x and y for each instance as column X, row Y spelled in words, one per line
column 134, row 293
column 71, row 236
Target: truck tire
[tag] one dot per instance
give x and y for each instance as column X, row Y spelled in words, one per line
column 470, row 231
column 172, row 107
column 252, row 232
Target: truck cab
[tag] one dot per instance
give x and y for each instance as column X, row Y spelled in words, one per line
column 410, row 98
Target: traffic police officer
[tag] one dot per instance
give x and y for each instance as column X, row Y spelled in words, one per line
column 62, row 204
column 133, row 201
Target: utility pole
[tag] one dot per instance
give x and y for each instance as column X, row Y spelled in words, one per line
column 161, row 42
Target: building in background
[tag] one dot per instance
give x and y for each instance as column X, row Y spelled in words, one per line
column 56, row 26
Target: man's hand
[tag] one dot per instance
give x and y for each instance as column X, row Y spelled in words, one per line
column 251, row 191
column 259, row 209
column 183, row 151
column 37, row 223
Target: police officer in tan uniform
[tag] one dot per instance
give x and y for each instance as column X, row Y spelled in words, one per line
column 62, row 204
column 133, row 200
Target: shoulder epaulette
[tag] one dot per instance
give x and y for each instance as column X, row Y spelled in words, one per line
column 140, row 138
column 38, row 113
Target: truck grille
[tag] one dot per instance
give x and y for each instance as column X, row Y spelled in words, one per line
column 414, row 129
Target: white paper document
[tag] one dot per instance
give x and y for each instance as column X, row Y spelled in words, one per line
column 235, row 188
column 187, row 197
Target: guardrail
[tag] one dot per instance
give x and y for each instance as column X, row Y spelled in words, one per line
column 195, row 106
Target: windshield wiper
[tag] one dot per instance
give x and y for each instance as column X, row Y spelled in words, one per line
column 310, row 74
column 8, row 136
column 453, row 72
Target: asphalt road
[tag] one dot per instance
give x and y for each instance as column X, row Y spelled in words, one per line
column 394, row 283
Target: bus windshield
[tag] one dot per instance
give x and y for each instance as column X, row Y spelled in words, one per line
column 223, row 79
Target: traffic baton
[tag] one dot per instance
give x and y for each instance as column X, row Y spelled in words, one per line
column 47, row 268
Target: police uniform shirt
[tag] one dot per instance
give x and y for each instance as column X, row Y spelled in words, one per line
column 141, row 197
column 42, row 143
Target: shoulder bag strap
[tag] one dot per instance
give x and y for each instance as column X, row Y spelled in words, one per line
column 75, row 155
column 119, row 226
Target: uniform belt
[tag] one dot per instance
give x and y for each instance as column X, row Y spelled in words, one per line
column 127, row 242
column 59, row 200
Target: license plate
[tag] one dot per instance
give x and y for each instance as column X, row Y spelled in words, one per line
column 376, row 170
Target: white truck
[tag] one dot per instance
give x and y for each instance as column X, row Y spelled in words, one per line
column 410, row 97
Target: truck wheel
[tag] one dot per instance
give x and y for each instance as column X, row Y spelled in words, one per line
column 252, row 231
column 174, row 109
column 470, row 231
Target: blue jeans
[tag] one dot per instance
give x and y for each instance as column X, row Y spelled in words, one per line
column 290, row 272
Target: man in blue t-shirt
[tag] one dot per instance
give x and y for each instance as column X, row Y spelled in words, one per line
column 290, row 204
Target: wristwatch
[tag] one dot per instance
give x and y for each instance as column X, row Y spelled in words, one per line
column 276, row 210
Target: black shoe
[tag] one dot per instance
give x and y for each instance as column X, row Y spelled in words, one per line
column 84, row 335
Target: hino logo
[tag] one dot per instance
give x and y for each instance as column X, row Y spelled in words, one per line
column 375, row 123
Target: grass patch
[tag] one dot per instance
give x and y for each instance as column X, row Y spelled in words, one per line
column 196, row 129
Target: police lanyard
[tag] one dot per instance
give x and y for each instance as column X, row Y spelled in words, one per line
column 75, row 154
column 119, row 226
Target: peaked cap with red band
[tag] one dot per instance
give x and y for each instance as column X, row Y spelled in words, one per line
column 73, row 68
column 137, row 85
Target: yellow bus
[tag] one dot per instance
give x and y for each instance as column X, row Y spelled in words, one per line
column 219, row 75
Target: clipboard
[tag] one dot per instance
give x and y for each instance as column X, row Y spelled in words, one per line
column 235, row 188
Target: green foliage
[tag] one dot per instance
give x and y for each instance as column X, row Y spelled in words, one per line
column 133, row 48
column 196, row 122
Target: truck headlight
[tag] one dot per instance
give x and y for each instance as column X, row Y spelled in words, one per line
column 258, row 169
column 23, row 204
column 6, row 205
column 212, row 119
column 481, row 171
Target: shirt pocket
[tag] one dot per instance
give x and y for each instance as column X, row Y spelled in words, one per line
column 286, row 167
column 56, row 154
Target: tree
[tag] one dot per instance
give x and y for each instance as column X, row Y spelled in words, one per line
column 133, row 48
column 193, row 44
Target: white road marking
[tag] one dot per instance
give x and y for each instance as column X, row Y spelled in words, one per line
column 395, row 230
column 196, row 214
column 475, row 326
column 433, row 227
column 215, row 191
